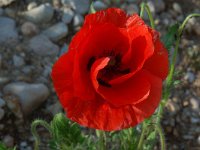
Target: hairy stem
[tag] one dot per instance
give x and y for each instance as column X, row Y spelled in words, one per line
column 34, row 131
column 162, row 136
column 142, row 136
column 102, row 139
column 146, row 7
column 169, row 80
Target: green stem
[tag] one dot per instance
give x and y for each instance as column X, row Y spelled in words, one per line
column 34, row 131
column 102, row 139
column 92, row 10
column 162, row 137
column 169, row 80
column 146, row 7
column 142, row 136
column 142, row 9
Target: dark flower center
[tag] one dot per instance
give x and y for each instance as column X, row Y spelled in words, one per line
column 112, row 70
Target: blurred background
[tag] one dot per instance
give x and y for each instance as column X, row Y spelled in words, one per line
column 34, row 33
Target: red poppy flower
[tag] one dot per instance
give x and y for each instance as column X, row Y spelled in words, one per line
column 111, row 77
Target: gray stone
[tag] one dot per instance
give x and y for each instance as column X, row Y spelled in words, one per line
column 177, row 8
column 5, row 2
column 64, row 49
column 8, row 31
column 196, row 29
column 99, row 5
column 152, row 9
column 2, row 113
column 31, row 96
column 47, row 71
column 56, row 32
column 42, row 46
column 189, row 76
column 80, row 6
column 8, row 141
column 41, row 14
column 0, row 61
column 1, row 11
column 56, row 3
column 18, row 61
column 195, row 103
column 55, row 108
column 132, row 9
column 2, row 102
column 13, row 103
column 10, row 12
column 159, row 5
column 78, row 20
column 31, row 5
column 3, row 80
column 67, row 16
column 29, row 29
column 198, row 140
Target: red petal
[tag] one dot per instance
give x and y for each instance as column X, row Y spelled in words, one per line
column 141, row 49
column 131, row 91
column 96, row 67
column 99, row 114
column 101, row 42
column 62, row 73
column 158, row 64
column 114, row 16
column 148, row 106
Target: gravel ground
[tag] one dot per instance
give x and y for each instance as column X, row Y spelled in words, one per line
column 33, row 34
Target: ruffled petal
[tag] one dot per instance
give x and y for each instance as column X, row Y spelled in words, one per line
column 62, row 73
column 132, row 91
column 141, row 49
column 114, row 16
column 103, row 41
column 147, row 107
column 158, row 64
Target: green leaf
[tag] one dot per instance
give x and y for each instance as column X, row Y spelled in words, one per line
column 65, row 134
column 170, row 37
column 3, row 147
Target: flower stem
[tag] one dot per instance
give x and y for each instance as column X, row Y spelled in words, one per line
column 162, row 137
column 34, row 131
column 146, row 7
column 169, row 80
column 102, row 139
column 92, row 10
column 142, row 136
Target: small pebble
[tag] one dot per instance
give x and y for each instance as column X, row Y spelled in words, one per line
column 10, row 12
column 99, row 5
column 8, row 141
column 31, row 96
column 29, row 29
column 57, row 31
column 195, row 103
column 18, row 61
column 68, row 15
column 2, row 113
column 1, row 11
column 31, row 5
column 198, row 140
column 177, row 8
column 2, row 102
column 42, row 46
column 190, row 77
column 41, row 14
column 0, row 61
column 9, row 34
column 78, row 20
